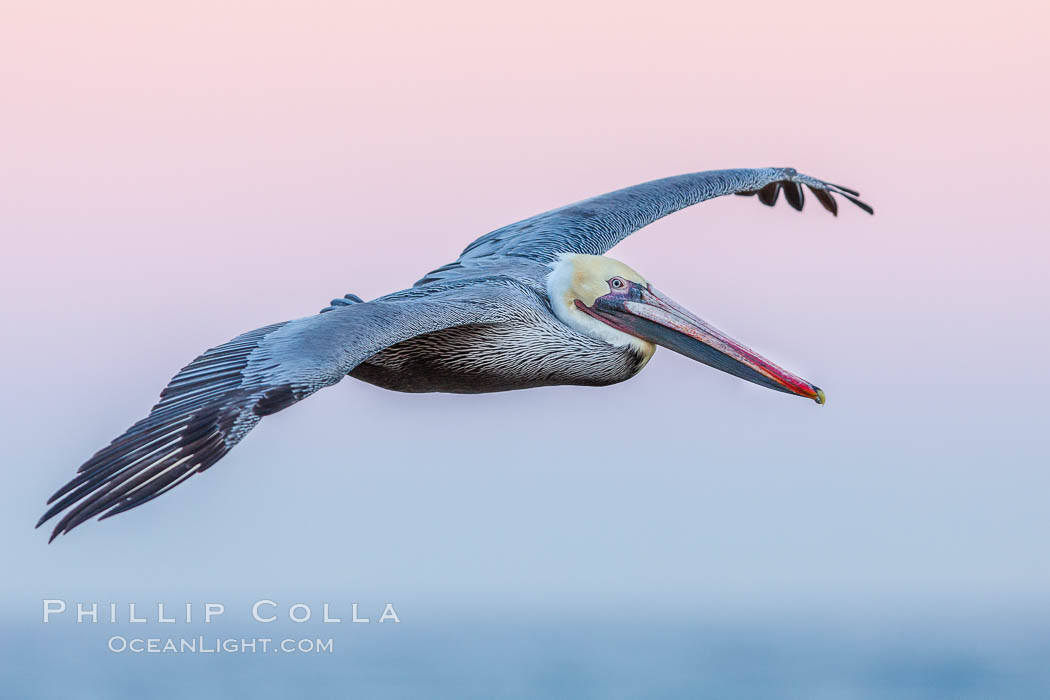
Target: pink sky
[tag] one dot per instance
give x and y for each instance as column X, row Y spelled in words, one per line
column 311, row 142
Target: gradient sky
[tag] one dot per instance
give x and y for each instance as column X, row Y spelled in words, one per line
column 173, row 177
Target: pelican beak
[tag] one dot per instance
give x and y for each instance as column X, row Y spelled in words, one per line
column 645, row 313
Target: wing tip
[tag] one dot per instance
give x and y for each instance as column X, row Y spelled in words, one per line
column 863, row 205
column 845, row 190
column 793, row 191
column 55, row 531
column 850, row 194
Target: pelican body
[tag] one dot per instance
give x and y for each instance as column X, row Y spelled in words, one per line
column 529, row 347
column 532, row 304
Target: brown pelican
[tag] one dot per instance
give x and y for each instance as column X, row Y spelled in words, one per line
column 531, row 304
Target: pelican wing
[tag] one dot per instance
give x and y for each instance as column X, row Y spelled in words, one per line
column 215, row 400
column 595, row 225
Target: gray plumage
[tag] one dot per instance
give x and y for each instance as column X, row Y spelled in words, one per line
column 481, row 323
column 595, row 225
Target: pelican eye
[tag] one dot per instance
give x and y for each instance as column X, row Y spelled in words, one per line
column 617, row 283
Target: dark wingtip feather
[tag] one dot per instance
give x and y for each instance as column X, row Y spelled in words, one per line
column 43, row 519
column 768, row 194
column 205, row 410
column 793, row 194
column 866, row 207
column 845, row 190
column 58, row 530
column 51, row 512
column 825, row 199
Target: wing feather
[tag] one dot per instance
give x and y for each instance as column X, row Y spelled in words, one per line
column 209, row 406
column 595, row 225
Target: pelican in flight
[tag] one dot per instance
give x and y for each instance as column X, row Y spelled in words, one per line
column 535, row 303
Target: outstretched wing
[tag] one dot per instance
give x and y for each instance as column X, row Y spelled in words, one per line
column 595, row 225
column 216, row 399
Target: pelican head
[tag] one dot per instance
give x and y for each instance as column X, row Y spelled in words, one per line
column 605, row 299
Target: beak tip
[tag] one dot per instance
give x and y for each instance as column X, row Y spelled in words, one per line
column 819, row 398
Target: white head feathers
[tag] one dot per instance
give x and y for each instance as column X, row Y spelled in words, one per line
column 585, row 278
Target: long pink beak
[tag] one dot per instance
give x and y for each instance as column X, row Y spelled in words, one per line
column 646, row 313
